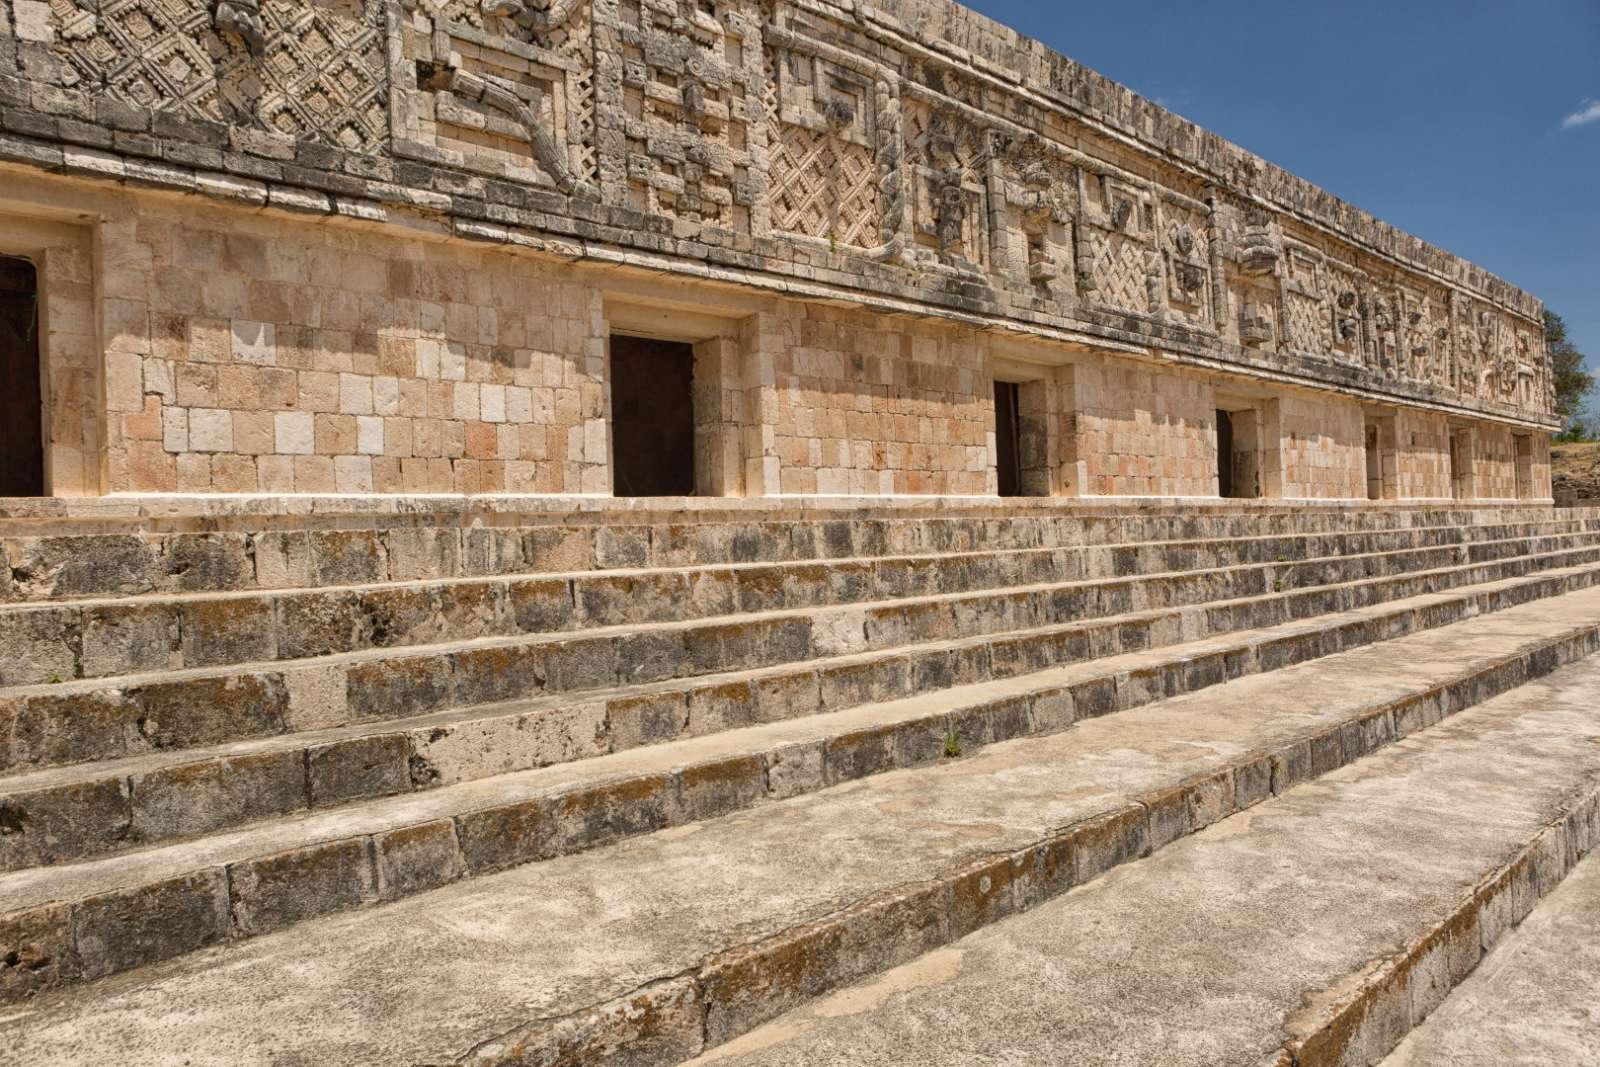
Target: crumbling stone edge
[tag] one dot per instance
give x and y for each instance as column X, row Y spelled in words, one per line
column 678, row 1017
column 1402, row 990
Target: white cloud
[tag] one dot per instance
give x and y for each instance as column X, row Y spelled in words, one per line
column 1588, row 111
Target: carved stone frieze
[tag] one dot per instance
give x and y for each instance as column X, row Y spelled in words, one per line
column 916, row 168
column 304, row 72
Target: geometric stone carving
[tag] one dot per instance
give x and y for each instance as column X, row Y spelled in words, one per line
column 678, row 122
column 304, row 71
column 947, row 159
column 242, row 19
column 508, row 90
column 822, row 170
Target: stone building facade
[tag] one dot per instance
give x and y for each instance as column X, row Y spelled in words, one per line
column 388, row 246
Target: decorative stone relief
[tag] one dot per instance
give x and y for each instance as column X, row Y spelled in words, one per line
column 676, row 129
column 1126, row 264
column 311, row 72
column 752, row 119
column 947, row 162
column 242, row 19
column 508, row 89
column 824, row 176
column 1038, row 193
column 1306, row 326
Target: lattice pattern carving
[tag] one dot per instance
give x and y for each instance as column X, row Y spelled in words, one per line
column 1121, row 271
column 1308, row 326
column 824, row 187
column 319, row 75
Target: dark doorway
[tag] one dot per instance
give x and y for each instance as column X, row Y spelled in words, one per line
column 1374, row 464
column 652, row 417
column 1524, row 445
column 21, row 401
column 1224, row 454
column 1007, row 438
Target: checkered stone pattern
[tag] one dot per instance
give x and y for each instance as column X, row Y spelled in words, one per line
column 320, row 78
column 824, row 187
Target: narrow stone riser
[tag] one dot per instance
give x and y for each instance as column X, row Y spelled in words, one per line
column 100, row 814
column 118, row 564
column 51, row 727
column 63, row 642
column 743, row 986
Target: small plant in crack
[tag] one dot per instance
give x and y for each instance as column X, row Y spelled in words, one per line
column 54, row 679
column 952, row 745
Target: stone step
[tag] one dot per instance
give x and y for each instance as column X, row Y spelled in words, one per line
column 1532, row 1001
column 76, row 812
column 86, row 721
column 56, row 558
column 649, row 950
column 1314, row 930
column 100, row 638
column 79, row 811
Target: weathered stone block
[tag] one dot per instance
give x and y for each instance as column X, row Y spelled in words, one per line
column 281, row 890
column 201, row 797
column 591, row 815
column 63, row 822
column 372, row 766
column 206, row 711
column 505, row 836
column 130, row 927
column 479, row 748
column 37, row 645
column 37, row 951
column 228, row 631
column 417, row 858
column 321, row 624
column 391, row 688
column 712, row 789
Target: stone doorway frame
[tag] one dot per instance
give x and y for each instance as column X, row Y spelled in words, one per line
column 726, row 386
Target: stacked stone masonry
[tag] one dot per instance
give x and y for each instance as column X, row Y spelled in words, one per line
column 380, row 246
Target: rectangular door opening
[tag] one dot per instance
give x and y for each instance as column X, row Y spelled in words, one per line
column 21, row 395
column 1524, row 443
column 1008, row 438
column 1383, row 459
column 1241, row 453
column 1461, row 464
column 652, row 417
column 1224, row 454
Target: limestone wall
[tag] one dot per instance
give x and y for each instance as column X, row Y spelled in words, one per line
column 1142, row 431
column 869, row 407
column 249, row 353
column 1324, row 454
column 1424, row 461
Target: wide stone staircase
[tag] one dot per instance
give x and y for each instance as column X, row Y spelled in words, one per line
column 434, row 784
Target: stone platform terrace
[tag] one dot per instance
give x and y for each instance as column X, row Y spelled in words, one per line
column 445, row 783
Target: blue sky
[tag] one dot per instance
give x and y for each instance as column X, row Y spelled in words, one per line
column 1474, row 125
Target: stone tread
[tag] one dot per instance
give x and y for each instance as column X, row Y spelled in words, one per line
column 745, row 618
column 1314, row 929
column 503, row 721
column 489, row 969
column 1534, row 1001
column 569, row 605
column 1515, row 533
column 60, row 562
